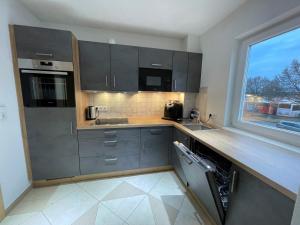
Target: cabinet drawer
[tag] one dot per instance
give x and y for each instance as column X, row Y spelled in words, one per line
column 102, row 147
column 108, row 133
column 42, row 43
column 155, row 58
column 90, row 165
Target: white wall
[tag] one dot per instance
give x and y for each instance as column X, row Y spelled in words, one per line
column 13, row 173
column 218, row 45
column 121, row 37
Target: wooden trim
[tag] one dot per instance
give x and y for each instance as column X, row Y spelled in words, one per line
column 18, row 200
column 2, row 209
column 82, row 99
column 44, row 183
column 20, row 101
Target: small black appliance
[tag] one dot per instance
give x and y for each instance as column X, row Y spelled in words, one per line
column 173, row 111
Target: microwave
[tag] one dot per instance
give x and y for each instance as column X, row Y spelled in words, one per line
column 155, row 80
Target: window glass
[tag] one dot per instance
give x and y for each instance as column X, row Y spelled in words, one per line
column 272, row 82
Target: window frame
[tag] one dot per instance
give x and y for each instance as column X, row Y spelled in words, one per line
column 286, row 136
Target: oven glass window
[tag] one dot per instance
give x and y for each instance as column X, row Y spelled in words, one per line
column 154, row 81
column 44, row 88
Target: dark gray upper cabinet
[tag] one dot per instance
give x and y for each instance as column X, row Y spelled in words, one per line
column 124, row 68
column 194, row 72
column 155, row 58
column 42, row 43
column 52, row 139
column 180, row 71
column 94, row 66
column 155, row 146
column 254, row 202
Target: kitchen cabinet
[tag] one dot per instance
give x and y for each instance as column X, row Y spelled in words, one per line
column 109, row 150
column 94, row 61
column 155, row 143
column 180, row 71
column 194, row 72
column 254, row 202
column 52, row 139
column 124, row 68
column 42, row 43
column 155, row 58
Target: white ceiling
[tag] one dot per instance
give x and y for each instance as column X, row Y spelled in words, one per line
column 173, row 18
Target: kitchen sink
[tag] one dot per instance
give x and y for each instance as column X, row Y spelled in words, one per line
column 196, row 127
column 111, row 121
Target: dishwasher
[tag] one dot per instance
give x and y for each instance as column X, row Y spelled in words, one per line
column 207, row 175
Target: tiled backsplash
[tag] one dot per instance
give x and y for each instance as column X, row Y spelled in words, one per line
column 139, row 104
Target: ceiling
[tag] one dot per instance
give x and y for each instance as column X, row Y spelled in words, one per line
column 172, row 18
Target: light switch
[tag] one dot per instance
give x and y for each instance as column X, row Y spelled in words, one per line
column 3, row 113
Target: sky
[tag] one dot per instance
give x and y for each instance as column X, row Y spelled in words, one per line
column 270, row 57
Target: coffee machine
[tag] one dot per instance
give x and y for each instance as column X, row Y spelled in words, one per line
column 173, row 111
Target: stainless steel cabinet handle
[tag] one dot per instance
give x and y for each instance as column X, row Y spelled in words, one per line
column 71, row 125
column 111, row 160
column 106, row 81
column 114, row 81
column 234, row 181
column 44, row 54
column 111, row 142
column 156, row 64
column 175, row 85
column 110, row 132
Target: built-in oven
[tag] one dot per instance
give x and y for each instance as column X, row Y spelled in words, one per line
column 47, row 83
column 155, row 80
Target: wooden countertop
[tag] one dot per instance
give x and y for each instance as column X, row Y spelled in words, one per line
column 274, row 165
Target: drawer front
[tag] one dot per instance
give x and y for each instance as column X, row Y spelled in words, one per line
column 155, row 58
column 54, row 167
column 102, row 147
column 42, row 43
column 89, row 165
column 108, row 133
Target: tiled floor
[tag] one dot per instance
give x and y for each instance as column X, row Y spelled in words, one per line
column 150, row 199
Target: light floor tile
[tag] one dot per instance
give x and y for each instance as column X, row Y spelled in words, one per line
column 123, row 207
column 122, row 191
column 142, row 215
column 26, row 219
column 100, row 188
column 107, row 217
column 87, row 218
column 69, row 209
column 144, row 182
column 187, row 219
column 38, row 219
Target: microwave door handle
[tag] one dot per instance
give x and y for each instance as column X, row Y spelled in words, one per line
column 156, row 64
column 44, row 72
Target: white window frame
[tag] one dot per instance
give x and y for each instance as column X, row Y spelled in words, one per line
column 278, row 134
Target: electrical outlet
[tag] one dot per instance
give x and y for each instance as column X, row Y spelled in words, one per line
column 102, row 108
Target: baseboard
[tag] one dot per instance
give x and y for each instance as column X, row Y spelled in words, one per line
column 4, row 212
column 44, row 183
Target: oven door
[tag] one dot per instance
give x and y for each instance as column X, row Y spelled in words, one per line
column 155, row 80
column 41, row 88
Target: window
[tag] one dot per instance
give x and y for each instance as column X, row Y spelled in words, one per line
column 267, row 97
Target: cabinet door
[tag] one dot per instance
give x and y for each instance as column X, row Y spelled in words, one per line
column 42, row 43
column 52, row 142
column 180, row 70
column 155, row 146
column 94, row 66
column 124, row 68
column 194, row 72
column 254, row 202
column 155, row 58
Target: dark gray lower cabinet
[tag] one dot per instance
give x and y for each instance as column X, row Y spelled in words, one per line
column 52, row 139
column 156, row 143
column 254, row 202
column 108, row 150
